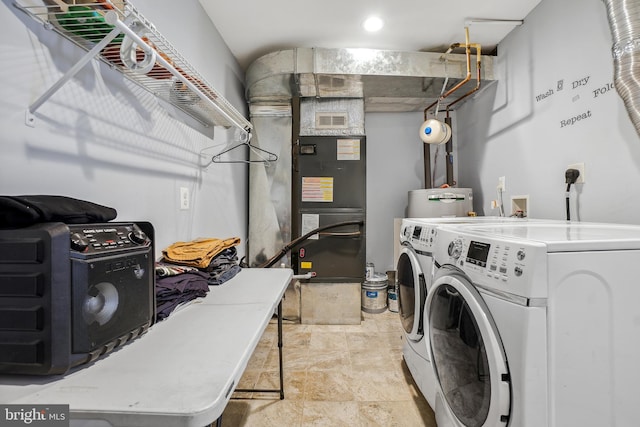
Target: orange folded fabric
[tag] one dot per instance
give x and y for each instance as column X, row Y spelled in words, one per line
column 199, row 252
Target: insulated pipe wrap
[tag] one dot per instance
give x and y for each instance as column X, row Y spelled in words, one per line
column 624, row 21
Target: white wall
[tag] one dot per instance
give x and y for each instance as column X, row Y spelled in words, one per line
column 513, row 130
column 103, row 139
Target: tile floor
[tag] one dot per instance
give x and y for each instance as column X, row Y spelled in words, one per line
column 335, row 375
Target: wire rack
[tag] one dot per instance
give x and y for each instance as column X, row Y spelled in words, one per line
column 115, row 32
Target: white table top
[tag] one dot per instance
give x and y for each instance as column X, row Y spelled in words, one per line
column 180, row 373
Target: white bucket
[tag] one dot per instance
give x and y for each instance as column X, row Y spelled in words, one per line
column 392, row 292
column 392, row 299
column 374, row 294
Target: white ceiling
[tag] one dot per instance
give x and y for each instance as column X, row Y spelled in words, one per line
column 256, row 27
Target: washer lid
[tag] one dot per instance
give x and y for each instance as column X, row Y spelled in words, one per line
column 564, row 236
column 467, row 354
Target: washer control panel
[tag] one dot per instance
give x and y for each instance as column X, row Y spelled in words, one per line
column 502, row 264
column 498, row 260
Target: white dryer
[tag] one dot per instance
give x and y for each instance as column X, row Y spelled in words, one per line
column 414, row 272
column 536, row 324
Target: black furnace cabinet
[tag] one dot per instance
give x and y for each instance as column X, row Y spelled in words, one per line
column 329, row 188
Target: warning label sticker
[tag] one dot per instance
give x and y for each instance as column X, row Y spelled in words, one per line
column 317, row 189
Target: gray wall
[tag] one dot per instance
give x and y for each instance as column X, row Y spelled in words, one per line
column 101, row 138
column 514, row 130
column 395, row 165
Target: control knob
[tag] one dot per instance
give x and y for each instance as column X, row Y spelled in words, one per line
column 405, row 232
column 79, row 242
column 137, row 236
column 455, row 248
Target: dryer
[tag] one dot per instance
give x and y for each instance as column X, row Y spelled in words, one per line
column 535, row 324
column 414, row 270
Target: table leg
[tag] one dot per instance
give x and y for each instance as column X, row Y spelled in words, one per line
column 280, row 363
column 280, row 350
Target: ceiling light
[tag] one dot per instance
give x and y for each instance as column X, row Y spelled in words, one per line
column 372, row 24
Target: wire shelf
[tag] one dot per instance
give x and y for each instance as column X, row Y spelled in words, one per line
column 115, row 32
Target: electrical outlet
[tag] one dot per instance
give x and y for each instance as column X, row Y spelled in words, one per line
column 502, row 184
column 580, row 167
column 184, row 198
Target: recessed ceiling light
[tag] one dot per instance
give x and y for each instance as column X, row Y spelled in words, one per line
column 372, row 24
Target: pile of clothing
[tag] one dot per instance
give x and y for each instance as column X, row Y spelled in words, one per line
column 187, row 269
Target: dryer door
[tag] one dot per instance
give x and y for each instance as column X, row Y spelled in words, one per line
column 412, row 292
column 467, row 354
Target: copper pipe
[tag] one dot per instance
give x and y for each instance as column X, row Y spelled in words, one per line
column 451, row 48
column 478, row 70
column 427, row 148
column 467, row 47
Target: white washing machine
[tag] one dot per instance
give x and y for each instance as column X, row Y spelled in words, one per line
column 414, row 271
column 536, row 324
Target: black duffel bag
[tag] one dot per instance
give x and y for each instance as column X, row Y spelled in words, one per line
column 22, row 211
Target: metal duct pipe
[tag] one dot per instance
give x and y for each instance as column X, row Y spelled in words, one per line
column 624, row 20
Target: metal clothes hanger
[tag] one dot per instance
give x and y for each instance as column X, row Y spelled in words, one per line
column 264, row 155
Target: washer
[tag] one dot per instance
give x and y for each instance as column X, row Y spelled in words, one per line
column 414, row 272
column 535, row 324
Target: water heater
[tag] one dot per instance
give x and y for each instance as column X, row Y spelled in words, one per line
column 440, row 202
